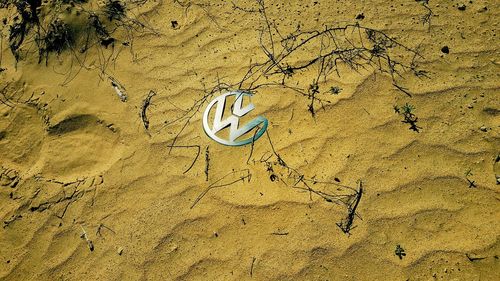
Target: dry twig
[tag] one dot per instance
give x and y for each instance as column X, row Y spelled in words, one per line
column 145, row 104
column 84, row 235
column 242, row 175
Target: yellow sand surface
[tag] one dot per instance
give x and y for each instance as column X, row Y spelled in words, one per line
column 169, row 203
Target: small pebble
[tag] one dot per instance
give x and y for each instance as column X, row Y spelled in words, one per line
column 462, row 7
column 173, row 247
column 483, row 128
column 120, row 251
column 360, row 16
column 482, row 10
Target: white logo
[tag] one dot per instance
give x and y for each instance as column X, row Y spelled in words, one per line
column 233, row 121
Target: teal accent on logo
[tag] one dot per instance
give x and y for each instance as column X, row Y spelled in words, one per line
column 233, row 121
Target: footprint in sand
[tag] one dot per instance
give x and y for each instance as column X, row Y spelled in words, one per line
column 78, row 146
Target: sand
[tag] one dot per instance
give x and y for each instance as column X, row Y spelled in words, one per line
column 75, row 158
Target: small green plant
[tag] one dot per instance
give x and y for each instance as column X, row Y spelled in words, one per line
column 400, row 252
column 409, row 117
column 335, row 90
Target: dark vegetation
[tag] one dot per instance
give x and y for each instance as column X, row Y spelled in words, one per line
column 327, row 52
column 472, row 183
column 427, row 17
column 400, row 252
column 406, row 111
column 352, row 204
column 55, row 26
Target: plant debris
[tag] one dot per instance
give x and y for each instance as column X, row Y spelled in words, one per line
column 400, row 252
column 346, row 225
column 472, row 183
column 408, row 116
column 145, row 104
column 84, row 235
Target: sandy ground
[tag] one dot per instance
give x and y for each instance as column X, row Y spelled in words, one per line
column 75, row 158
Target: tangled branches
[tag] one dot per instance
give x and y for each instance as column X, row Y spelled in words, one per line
column 26, row 19
column 346, row 225
column 427, row 17
column 73, row 25
column 57, row 203
column 330, row 191
column 328, row 52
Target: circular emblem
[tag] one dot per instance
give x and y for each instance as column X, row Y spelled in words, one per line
column 238, row 111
